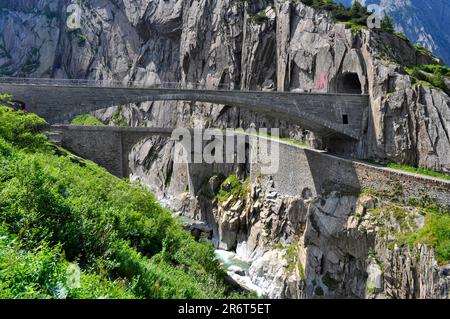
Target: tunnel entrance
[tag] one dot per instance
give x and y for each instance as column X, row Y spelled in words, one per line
column 349, row 83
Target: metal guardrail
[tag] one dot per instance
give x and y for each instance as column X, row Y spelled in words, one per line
column 117, row 84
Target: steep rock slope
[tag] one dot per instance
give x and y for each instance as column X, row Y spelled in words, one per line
column 333, row 246
column 422, row 21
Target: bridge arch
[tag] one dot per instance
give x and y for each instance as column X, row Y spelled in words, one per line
column 318, row 112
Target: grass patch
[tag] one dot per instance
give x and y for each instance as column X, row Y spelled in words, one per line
column 294, row 260
column 402, row 36
column 435, row 233
column 411, row 169
column 282, row 139
column 86, row 120
column 416, row 170
column 260, row 17
column 292, row 141
column 423, row 50
column 371, row 289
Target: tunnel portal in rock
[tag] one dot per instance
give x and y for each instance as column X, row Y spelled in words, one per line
column 349, row 83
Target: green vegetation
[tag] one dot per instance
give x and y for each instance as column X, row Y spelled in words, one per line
column 412, row 169
column 387, row 25
column 356, row 16
column 282, row 139
column 233, row 186
column 57, row 215
column 20, row 130
column 423, row 50
column 292, row 141
column 435, row 233
column 292, row 256
column 117, row 118
column 371, row 289
column 81, row 40
column 429, row 74
column 402, row 36
column 421, row 171
column 416, row 170
column 43, row 273
column 260, row 17
column 86, row 120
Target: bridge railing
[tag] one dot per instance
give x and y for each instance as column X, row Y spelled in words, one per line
column 118, row 84
column 140, row 84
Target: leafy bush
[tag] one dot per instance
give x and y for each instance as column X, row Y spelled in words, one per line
column 106, row 225
column 43, row 273
column 20, row 128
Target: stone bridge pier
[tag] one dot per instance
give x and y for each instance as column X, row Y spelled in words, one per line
column 301, row 171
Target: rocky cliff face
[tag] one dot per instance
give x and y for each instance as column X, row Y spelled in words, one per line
column 335, row 246
column 300, row 247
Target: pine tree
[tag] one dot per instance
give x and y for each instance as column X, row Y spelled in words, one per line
column 387, row 24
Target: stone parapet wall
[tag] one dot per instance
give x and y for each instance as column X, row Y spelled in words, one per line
column 301, row 171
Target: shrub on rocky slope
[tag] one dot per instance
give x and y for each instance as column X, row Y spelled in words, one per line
column 57, row 214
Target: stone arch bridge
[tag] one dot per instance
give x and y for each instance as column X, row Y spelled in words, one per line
column 301, row 170
column 344, row 116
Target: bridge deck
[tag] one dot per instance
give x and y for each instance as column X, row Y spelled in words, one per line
column 58, row 101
